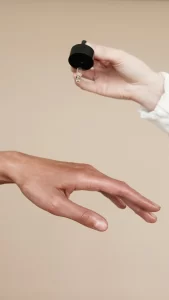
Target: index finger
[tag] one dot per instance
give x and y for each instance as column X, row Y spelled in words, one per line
column 105, row 184
column 106, row 53
column 123, row 190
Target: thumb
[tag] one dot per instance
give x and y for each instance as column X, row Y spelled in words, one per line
column 83, row 216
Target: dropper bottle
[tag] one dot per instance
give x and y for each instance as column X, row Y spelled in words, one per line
column 81, row 58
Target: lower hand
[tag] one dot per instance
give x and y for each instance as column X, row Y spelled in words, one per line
column 49, row 184
column 118, row 74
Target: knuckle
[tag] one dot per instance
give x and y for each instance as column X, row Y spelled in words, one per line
column 88, row 167
column 123, row 188
column 55, row 206
column 87, row 219
column 137, row 210
column 124, row 184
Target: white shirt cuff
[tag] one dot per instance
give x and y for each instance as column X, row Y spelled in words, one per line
column 160, row 115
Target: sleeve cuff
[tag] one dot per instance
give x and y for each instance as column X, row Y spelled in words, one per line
column 160, row 115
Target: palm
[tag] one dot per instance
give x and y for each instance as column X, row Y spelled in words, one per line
column 120, row 75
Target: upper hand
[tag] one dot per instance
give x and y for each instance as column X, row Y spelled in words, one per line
column 49, row 185
column 118, row 74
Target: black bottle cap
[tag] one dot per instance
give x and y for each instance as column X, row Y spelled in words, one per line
column 81, row 56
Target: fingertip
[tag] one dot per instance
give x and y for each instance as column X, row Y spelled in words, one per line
column 152, row 221
column 101, row 225
column 120, row 205
column 156, row 208
column 123, row 207
column 152, row 218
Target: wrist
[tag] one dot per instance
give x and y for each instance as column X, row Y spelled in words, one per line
column 9, row 162
column 148, row 95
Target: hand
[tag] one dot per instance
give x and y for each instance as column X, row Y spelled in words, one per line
column 118, row 74
column 49, row 185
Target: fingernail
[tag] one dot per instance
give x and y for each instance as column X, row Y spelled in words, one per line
column 153, row 215
column 101, row 226
column 156, row 206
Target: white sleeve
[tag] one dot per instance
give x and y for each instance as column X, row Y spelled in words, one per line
column 160, row 115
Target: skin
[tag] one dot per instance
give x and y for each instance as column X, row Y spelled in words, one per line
column 49, row 184
column 120, row 75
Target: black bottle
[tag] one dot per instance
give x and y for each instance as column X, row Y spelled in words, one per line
column 81, row 56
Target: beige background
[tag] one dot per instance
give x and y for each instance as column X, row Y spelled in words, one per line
column 43, row 113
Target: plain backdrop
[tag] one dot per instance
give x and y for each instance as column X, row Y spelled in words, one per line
column 43, row 113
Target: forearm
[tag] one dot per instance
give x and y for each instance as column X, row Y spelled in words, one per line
column 8, row 163
column 158, row 113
